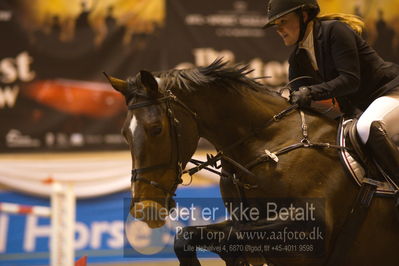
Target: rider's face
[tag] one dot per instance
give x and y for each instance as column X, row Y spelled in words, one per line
column 288, row 28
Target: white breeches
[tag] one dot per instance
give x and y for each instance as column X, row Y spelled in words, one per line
column 386, row 109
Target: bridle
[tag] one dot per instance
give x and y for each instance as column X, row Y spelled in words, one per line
column 168, row 99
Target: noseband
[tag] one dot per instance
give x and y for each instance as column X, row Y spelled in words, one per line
column 169, row 98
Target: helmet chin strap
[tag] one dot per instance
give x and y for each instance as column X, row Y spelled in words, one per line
column 302, row 26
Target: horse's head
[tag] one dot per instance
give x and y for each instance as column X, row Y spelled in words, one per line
column 162, row 134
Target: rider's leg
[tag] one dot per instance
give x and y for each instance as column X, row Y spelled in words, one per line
column 376, row 127
column 384, row 150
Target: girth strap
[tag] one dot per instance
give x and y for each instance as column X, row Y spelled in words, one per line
column 352, row 224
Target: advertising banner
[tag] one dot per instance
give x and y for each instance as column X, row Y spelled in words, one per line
column 53, row 95
column 200, row 221
column 100, row 229
column 199, row 33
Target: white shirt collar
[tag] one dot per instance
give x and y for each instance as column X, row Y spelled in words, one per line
column 308, row 42
column 308, row 45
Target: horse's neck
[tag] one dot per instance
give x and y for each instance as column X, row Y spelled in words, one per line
column 230, row 117
column 225, row 119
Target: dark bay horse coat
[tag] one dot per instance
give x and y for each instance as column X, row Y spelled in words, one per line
column 349, row 69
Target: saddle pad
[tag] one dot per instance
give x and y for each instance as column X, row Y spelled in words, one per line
column 355, row 169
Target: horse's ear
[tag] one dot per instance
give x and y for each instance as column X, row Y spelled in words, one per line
column 149, row 81
column 117, row 84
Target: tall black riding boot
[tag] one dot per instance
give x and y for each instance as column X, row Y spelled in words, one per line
column 384, row 150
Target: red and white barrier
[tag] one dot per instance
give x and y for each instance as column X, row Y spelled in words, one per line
column 62, row 215
column 25, row 209
column 82, row 261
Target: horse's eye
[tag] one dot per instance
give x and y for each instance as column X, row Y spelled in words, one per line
column 155, row 130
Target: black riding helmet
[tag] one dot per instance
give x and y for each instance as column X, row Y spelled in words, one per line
column 278, row 8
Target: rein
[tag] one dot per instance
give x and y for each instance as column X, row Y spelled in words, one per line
column 212, row 160
column 267, row 157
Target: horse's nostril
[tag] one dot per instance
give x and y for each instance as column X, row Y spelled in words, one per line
column 150, row 212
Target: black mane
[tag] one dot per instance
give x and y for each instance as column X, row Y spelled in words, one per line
column 216, row 74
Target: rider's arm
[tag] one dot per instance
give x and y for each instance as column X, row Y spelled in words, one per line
column 343, row 49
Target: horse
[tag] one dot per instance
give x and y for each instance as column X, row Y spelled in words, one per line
column 169, row 111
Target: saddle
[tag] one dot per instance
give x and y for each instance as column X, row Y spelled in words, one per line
column 372, row 181
column 359, row 164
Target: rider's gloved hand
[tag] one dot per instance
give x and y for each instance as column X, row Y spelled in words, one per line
column 302, row 97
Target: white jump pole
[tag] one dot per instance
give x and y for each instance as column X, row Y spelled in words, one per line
column 63, row 205
column 62, row 217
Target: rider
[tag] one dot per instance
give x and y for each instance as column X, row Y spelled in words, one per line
column 344, row 68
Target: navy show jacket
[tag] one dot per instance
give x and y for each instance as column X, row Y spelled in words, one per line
column 350, row 70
